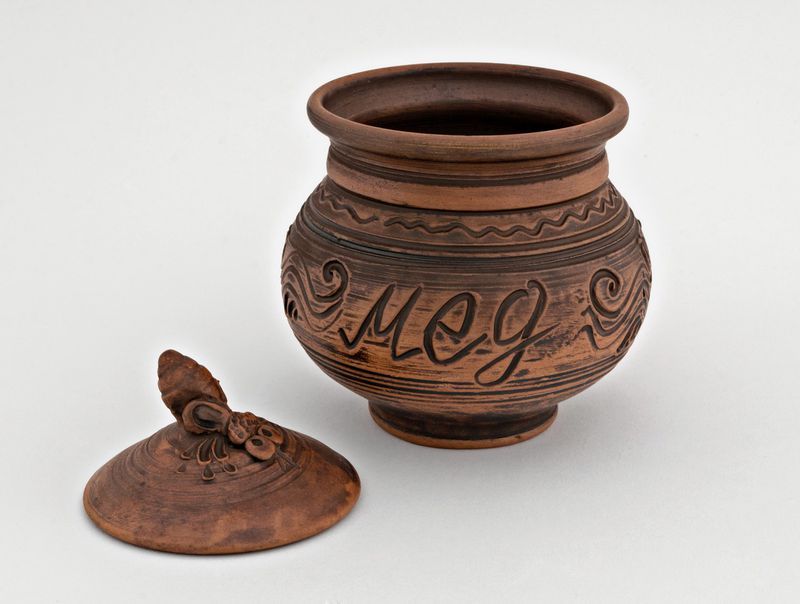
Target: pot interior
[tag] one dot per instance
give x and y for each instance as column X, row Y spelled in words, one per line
column 479, row 120
column 467, row 101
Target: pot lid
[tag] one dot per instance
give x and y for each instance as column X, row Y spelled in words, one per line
column 218, row 481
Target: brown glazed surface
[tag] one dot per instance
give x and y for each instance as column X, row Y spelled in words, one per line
column 218, row 481
column 466, row 265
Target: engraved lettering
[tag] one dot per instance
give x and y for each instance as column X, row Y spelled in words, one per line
column 395, row 326
column 525, row 335
column 437, row 322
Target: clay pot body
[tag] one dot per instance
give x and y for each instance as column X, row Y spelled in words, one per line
column 466, row 264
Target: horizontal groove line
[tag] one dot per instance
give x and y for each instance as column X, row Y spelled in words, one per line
column 596, row 249
column 382, row 376
column 459, row 180
column 367, row 382
column 329, row 183
column 514, row 399
column 612, row 225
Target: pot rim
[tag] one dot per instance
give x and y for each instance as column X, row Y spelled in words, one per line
column 453, row 147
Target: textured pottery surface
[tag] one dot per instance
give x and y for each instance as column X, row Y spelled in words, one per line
column 218, row 481
column 466, row 264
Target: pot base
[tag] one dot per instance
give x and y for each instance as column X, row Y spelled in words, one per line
column 460, row 436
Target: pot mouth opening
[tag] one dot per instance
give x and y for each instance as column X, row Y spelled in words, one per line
column 467, row 112
column 463, row 119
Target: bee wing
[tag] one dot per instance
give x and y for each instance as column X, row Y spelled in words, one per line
column 272, row 432
column 260, row 447
column 203, row 416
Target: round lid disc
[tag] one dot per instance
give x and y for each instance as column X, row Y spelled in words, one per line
column 217, row 481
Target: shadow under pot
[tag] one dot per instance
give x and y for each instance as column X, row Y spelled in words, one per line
column 466, row 264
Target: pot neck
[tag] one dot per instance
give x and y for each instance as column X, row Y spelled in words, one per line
column 468, row 186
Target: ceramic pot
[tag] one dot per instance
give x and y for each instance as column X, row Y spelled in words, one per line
column 466, row 264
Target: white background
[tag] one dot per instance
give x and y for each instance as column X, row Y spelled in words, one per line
column 152, row 155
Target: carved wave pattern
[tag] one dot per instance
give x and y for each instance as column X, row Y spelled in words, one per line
column 614, row 315
column 326, row 196
column 603, row 203
column 522, row 227
column 302, row 301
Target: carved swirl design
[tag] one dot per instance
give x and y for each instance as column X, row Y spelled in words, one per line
column 640, row 241
column 301, row 299
column 615, row 315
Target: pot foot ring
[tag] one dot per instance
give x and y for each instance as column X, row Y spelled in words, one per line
column 432, row 432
